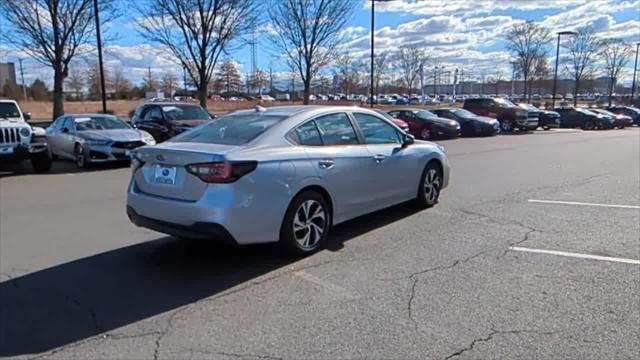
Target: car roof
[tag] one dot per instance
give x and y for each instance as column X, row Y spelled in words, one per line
column 170, row 103
column 294, row 110
column 89, row 115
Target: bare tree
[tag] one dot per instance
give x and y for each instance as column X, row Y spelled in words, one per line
column 308, row 32
column 196, row 32
column 582, row 48
column 615, row 53
column 121, row 85
column 76, row 82
column 53, row 32
column 345, row 70
column 169, row 82
column 150, row 82
column 541, row 70
column 408, row 61
column 93, row 80
column 229, row 76
column 528, row 42
column 380, row 62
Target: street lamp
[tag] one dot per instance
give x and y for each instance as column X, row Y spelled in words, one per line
column 555, row 74
column 635, row 69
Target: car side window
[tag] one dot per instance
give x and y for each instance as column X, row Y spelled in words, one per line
column 307, row 134
column 57, row 125
column 336, row 129
column 152, row 114
column 375, row 130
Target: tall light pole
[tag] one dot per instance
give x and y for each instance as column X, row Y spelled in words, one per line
column 99, row 39
column 635, row 69
column 373, row 11
column 24, row 87
column 555, row 73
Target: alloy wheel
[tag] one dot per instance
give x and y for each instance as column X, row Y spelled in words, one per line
column 431, row 186
column 506, row 126
column 309, row 223
column 425, row 133
column 80, row 157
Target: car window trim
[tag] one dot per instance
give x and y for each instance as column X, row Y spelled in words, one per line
column 355, row 129
column 360, row 133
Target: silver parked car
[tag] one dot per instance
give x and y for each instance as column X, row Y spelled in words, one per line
column 94, row 138
column 281, row 174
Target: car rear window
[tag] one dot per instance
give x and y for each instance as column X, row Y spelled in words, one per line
column 231, row 129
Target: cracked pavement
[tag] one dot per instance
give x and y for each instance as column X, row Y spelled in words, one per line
column 77, row 281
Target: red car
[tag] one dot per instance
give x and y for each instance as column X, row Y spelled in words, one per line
column 399, row 123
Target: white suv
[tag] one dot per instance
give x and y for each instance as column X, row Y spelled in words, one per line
column 19, row 141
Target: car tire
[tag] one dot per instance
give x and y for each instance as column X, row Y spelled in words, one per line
column 546, row 128
column 430, row 186
column 81, row 157
column 507, row 126
column 589, row 125
column 306, row 224
column 41, row 162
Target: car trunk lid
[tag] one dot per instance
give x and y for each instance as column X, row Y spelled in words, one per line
column 164, row 171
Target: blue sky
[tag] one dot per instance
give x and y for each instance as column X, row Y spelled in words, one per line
column 455, row 33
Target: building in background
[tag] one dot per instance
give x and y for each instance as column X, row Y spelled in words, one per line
column 7, row 75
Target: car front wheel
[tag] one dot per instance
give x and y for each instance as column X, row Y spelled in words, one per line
column 506, row 126
column 81, row 157
column 430, row 185
column 41, row 162
column 306, row 224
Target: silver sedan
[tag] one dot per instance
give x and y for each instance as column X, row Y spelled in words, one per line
column 282, row 174
column 94, row 138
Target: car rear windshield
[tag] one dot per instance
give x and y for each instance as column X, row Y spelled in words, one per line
column 9, row 110
column 464, row 113
column 230, row 129
column 505, row 102
column 99, row 123
column 424, row 114
column 184, row 112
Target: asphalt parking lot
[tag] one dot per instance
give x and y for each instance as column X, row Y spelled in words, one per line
column 532, row 252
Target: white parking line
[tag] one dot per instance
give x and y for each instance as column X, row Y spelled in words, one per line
column 584, row 204
column 576, row 255
column 331, row 287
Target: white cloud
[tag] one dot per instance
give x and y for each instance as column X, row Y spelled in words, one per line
column 437, row 7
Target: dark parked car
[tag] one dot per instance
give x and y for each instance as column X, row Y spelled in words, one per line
column 470, row 123
column 631, row 111
column 620, row 121
column 426, row 125
column 164, row 120
column 546, row 119
column 571, row 117
column 509, row 115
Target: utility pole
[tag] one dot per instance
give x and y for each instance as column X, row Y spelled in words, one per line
column 482, row 84
column 373, row 10
column 99, row 39
column 270, row 77
column 24, row 87
column 635, row 70
column 435, row 78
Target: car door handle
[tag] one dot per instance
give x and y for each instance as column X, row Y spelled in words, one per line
column 326, row 164
column 379, row 158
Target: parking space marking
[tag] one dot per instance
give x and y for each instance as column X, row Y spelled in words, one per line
column 333, row 288
column 584, row 204
column 576, row 255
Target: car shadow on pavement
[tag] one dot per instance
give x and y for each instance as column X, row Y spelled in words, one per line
column 80, row 299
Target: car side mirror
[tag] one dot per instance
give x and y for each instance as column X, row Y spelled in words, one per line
column 27, row 116
column 65, row 130
column 407, row 140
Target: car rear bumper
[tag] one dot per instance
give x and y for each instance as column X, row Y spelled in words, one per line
column 198, row 230
column 246, row 216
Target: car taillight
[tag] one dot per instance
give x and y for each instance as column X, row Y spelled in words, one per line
column 136, row 162
column 221, row 172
